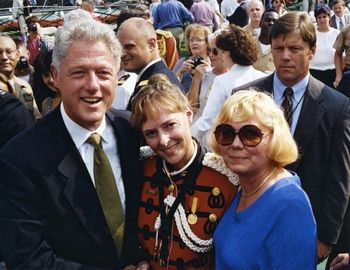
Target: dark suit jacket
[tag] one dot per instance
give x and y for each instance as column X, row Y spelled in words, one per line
column 157, row 68
column 14, row 117
column 50, row 215
column 323, row 137
column 333, row 22
column 240, row 16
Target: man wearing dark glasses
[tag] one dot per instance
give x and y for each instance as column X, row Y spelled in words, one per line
column 319, row 118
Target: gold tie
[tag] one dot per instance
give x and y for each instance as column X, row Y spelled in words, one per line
column 107, row 191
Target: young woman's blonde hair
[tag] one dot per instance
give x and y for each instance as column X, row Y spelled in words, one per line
column 159, row 96
column 250, row 104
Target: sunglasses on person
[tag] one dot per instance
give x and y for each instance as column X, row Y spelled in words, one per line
column 214, row 51
column 249, row 135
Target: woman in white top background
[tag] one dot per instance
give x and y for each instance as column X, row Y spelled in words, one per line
column 322, row 65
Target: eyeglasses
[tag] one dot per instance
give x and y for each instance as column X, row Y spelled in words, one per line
column 194, row 39
column 8, row 52
column 214, row 51
column 249, row 135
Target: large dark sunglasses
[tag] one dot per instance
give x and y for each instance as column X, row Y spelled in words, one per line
column 214, row 51
column 249, row 135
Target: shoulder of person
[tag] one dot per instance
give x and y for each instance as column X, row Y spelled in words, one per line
column 113, row 113
column 146, row 152
column 217, row 163
column 23, row 84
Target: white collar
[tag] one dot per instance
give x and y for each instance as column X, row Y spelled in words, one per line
column 146, row 67
column 79, row 134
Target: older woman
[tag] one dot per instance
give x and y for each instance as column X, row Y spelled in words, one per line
column 238, row 51
column 270, row 224
column 196, row 41
column 185, row 190
column 203, row 78
column 322, row 65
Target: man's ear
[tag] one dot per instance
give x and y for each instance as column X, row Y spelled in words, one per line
column 312, row 52
column 54, row 73
column 152, row 44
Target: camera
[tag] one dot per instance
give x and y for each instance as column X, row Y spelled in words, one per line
column 22, row 63
column 33, row 27
column 197, row 60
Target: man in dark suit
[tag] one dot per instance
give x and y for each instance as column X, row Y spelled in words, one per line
column 140, row 53
column 52, row 213
column 320, row 122
column 14, row 117
column 339, row 19
column 240, row 16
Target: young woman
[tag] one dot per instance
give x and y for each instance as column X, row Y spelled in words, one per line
column 185, row 190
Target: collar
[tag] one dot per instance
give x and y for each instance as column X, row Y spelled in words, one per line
column 146, row 67
column 80, row 134
column 299, row 88
column 340, row 18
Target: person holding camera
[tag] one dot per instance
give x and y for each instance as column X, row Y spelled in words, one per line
column 9, row 56
column 238, row 50
column 203, row 78
column 35, row 41
column 196, row 41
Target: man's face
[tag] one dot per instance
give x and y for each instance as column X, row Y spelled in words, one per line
column 254, row 12
column 136, row 49
column 338, row 9
column 291, row 56
column 8, row 56
column 268, row 20
column 87, row 81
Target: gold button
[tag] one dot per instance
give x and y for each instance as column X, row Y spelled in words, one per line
column 215, row 191
column 171, row 187
column 213, row 218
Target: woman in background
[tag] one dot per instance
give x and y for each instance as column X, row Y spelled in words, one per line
column 322, row 64
column 45, row 92
column 196, row 41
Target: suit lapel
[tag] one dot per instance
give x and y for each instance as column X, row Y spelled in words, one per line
column 79, row 189
column 310, row 116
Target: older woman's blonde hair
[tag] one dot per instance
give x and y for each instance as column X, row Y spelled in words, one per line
column 156, row 98
column 251, row 104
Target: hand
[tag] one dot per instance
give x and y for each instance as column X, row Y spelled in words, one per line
column 337, row 81
column 342, row 260
column 143, row 266
column 323, row 251
column 186, row 66
column 199, row 71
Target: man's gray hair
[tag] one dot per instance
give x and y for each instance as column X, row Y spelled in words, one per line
column 87, row 30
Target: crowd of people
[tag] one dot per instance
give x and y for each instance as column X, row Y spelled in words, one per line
column 202, row 136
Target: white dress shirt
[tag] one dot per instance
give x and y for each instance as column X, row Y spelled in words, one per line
column 299, row 90
column 109, row 143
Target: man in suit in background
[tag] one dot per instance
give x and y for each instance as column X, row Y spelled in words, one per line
column 320, row 122
column 53, row 212
column 339, row 19
column 140, row 53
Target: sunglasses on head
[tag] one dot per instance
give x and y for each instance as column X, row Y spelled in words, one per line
column 249, row 135
column 214, row 51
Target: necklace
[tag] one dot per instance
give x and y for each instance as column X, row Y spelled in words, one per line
column 260, row 186
column 183, row 168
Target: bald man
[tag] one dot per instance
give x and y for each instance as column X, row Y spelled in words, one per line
column 140, row 53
